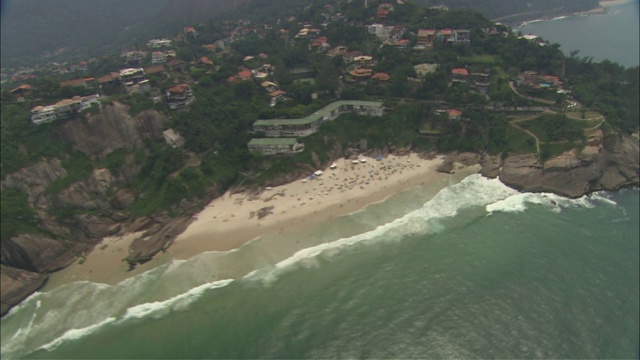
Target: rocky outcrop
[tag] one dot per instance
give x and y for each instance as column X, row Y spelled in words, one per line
column 17, row 284
column 38, row 253
column 99, row 135
column 35, row 179
column 90, row 194
column 159, row 235
column 608, row 163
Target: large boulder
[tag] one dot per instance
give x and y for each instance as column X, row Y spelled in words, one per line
column 159, row 235
column 17, row 285
column 576, row 173
column 35, row 179
column 38, row 253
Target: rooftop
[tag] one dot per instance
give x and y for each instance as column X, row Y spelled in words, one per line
column 325, row 111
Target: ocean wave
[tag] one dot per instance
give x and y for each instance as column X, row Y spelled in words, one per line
column 518, row 202
column 473, row 191
column 155, row 309
column 14, row 346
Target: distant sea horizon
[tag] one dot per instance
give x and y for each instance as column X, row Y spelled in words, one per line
column 475, row 270
column 614, row 35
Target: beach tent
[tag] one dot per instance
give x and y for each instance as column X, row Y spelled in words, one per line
column 318, row 173
column 363, row 160
column 333, row 166
column 311, row 177
column 354, row 161
column 378, row 157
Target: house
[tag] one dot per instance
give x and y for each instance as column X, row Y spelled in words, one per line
column 109, row 79
column 446, row 36
column 190, row 31
column 381, row 76
column 159, row 69
column 360, row 74
column 454, row 114
column 245, row 74
column 425, row 38
column 396, row 33
column 348, row 57
column 134, row 58
column 176, row 65
column 269, row 86
column 131, row 77
column 158, row 57
column 210, row 47
column 423, row 69
column 158, row 43
column 205, row 61
column 173, row 138
column 21, row 91
column 460, row 75
column 272, row 146
column 380, row 31
column 363, row 61
column 275, row 96
column 481, row 79
column 462, row 37
column 179, row 96
column 85, row 82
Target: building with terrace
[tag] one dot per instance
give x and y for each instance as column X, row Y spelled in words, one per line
column 179, row 96
column 308, row 125
column 63, row 108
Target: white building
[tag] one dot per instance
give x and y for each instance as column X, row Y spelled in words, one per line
column 158, row 57
column 63, row 108
column 158, row 43
column 173, row 138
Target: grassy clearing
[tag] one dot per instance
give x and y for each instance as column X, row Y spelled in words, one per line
column 519, row 142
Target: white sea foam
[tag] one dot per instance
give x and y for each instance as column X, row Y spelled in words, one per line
column 153, row 309
column 75, row 334
column 473, row 191
column 180, row 302
column 600, row 197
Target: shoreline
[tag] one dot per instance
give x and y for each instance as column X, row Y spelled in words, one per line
column 602, row 9
column 232, row 220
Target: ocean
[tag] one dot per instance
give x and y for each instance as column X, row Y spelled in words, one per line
column 476, row 270
column 614, row 36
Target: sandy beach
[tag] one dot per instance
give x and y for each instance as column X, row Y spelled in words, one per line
column 232, row 220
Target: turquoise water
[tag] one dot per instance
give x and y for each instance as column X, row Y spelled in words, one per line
column 476, row 270
column 614, row 36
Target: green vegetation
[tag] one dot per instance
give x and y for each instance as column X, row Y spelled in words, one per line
column 78, row 167
column 218, row 125
column 554, row 128
column 519, row 142
column 16, row 214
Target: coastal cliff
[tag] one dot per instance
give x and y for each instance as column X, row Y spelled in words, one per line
column 80, row 215
column 608, row 162
column 73, row 220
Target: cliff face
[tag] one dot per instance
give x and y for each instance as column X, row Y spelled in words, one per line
column 92, row 208
column 16, row 283
column 607, row 163
column 112, row 129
